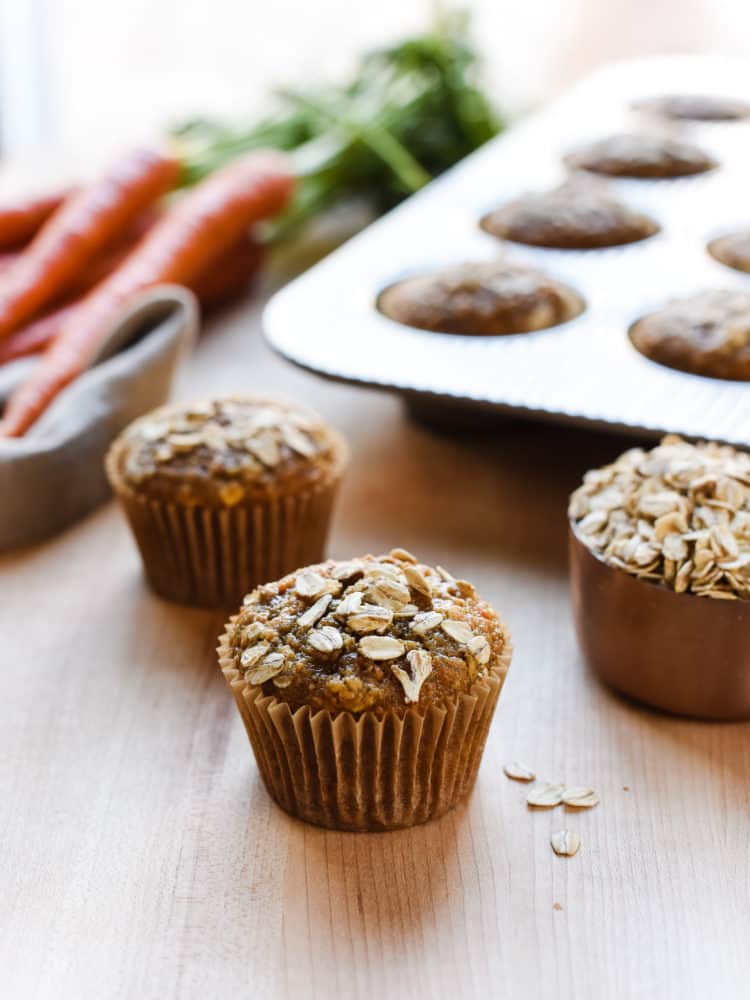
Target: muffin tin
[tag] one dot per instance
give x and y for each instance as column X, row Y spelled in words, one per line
column 584, row 371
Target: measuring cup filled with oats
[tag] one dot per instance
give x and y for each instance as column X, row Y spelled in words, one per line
column 660, row 575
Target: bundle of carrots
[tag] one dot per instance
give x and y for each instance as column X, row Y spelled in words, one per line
column 92, row 250
column 409, row 112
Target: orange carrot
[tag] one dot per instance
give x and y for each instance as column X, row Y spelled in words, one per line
column 84, row 225
column 189, row 238
column 228, row 277
column 35, row 336
column 20, row 220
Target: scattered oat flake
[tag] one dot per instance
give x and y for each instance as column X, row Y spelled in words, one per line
column 580, row 797
column 518, row 772
column 545, row 795
column 565, row 843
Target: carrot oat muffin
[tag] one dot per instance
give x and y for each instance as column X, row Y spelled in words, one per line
column 485, row 299
column 705, row 334
column 696, row 107
column 642, row 155
column 732, row 250
column 578, row 215
column 223, row 494
column 367, row 688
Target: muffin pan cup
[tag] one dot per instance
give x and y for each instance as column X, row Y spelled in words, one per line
column 681, row 653
column 368, row 774
column 585, row 371
column 211, row 557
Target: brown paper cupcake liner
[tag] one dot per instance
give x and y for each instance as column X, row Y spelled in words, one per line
column 368, row 773
column 211, row 557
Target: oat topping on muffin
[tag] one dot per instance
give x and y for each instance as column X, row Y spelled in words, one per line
column 487, row 299
column 696, row 107
column 705, row 334
column 678, row 515
column 578, row 215
column 226, row 451
column 376, row 633
column 646, row 155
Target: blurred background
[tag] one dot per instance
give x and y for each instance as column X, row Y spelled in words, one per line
column 94, row 73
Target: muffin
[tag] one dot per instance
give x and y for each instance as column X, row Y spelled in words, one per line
column 733, row 250
column 224, row 494
column 696, row 107
column 577, row 215
column 367, row 688
column 660, row 573
column 705, row 334
column 484, row 299
column 641, row 155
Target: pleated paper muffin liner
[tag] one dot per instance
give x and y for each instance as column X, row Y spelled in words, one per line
column 368, row 773
column 210, row 557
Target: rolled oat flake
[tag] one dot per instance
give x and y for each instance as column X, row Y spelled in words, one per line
column 565, row 843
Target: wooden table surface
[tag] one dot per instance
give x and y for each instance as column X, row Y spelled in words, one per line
column 141, row 857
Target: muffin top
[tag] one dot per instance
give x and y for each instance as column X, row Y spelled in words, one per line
column 488, row 299
column 705, row 334
column 373, row 634
column 732, row 250
column 224, row 452
column 678, row 515
column 696, row 107
column 579, row 214
column 641, row 154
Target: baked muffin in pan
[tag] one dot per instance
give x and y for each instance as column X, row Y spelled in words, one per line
column 696, row 107
column 580, row 214
column 733, row 250
column 481, row 298
column 707, row 333
column 648, row 155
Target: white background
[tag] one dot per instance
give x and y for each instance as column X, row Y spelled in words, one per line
column 94, row 73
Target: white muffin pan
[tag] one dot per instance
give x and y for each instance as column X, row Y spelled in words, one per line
column 585, row 371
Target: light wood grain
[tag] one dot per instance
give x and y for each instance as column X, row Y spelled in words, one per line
column 140, row 856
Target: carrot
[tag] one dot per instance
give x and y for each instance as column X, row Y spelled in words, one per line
column 85, row 224
column 190, row 237
column 35, row 336
column 22, row 219
column 229, row 275
column 225, row 279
